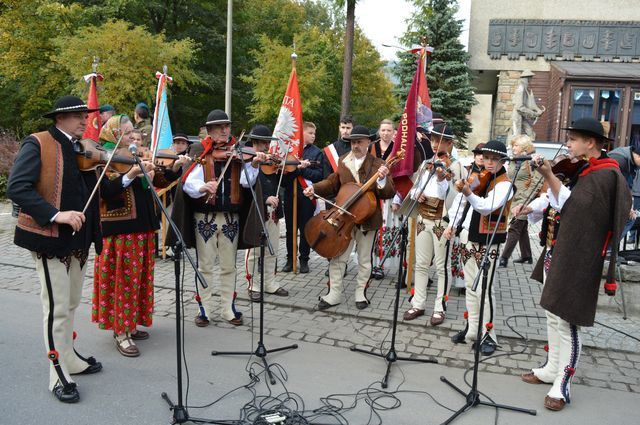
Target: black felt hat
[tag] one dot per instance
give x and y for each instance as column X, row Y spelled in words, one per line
column 261, row 132
column 217, row 117
column 68, row 104
column 589, row 126
column 495, row 146
column 443, row 130
column 181, row 137
column 359, row 132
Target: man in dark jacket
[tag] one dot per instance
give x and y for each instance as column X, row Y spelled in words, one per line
column 571, row 265
column 309, row 171
column 51, row 191
column 629, row 161
column 338, row 148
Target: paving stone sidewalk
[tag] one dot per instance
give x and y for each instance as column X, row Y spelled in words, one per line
column 609, row 360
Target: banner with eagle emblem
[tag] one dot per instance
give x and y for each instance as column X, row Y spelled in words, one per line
column 94, row 122
column 288, row 129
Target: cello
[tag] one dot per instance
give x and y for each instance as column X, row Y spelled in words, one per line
column 329, row 232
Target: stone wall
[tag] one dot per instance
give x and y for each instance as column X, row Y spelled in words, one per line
column 507, row 85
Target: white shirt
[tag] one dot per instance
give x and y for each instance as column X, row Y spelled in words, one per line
column 434, row 189
column 538, row 206
column 494, row 200
column 195, row 180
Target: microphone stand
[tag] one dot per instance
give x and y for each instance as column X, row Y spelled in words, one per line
column 392, row 356
column 261, row 350
column 180, row 413
column 473, row 396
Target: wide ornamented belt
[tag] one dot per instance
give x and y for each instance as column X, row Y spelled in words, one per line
column 432, row 208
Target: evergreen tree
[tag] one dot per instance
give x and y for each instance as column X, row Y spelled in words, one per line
column 448, row 76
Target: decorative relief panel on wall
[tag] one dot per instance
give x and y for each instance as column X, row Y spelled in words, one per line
column 564, row 39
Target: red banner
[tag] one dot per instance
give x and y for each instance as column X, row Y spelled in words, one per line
column 288, row 128
column 94, row 123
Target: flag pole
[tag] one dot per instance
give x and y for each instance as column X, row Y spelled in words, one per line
column 294, row 56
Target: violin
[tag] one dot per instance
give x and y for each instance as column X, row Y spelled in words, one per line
column 444, row 162
column 329, row 232
column 91, row 154
column 477, row 181
column 275, row 164
column 565, row 167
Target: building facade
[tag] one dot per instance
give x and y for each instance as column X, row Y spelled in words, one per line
column 585, row 55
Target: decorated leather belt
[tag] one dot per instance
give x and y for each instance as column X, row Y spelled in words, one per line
column 431, row 209
column 553, row 219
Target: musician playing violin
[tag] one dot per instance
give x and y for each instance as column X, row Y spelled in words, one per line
column 212, row 187
column 50, row 189
column 583, row 219
column 356, row 166
column 123, row 294
column 430, row 225
column 259, row 139
column 478, row 211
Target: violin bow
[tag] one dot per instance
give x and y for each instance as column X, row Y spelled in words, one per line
column 104, row 171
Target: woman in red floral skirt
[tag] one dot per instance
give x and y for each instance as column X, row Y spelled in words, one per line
column 123, row 275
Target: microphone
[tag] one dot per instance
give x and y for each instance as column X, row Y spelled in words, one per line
column 133, row 149
column 517, row 158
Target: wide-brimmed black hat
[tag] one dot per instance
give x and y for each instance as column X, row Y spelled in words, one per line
column 67, row 104
column 478, row 149
column 181, row 137
column 589, row 126
column 217, row 117
column 359, row 132
column 261, row 132
column 495, row 146
column 443, row 130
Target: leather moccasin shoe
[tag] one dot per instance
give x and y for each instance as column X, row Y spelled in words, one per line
column 323, row 305
column 531, row 378
column 91, row 369
column 201, row 322
column 437, row 318
column 361, row 305
column 255, row 296
column 236, row 321
column 281, row 292
column 66, row 393
column 555, row 404
column 459, row 338
column 412, row 313
column 488, row 347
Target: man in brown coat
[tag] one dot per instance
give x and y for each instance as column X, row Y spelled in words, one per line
column 355, row 166
column 587, row 217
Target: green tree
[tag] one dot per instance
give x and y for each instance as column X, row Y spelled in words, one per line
column 29, row 77
column 129, row 57
column 448, row 75
column 319, row 70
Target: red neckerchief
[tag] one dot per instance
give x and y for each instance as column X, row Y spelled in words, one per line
column 208, row 145
column 598, row 164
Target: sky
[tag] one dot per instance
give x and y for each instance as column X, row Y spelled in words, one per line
column 383, row 21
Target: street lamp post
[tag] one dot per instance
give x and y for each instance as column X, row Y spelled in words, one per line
column 228, row 75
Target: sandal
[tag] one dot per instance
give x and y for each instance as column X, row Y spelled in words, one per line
column 126, row 346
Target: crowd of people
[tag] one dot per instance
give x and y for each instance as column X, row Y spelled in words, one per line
column 463, row 213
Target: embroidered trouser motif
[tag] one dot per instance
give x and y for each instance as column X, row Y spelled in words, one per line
column 430, row 246
column 61, row 292
column 472, row 257
column 213, row 241
column 363, row 244
column 565, row 346
column 251, row 260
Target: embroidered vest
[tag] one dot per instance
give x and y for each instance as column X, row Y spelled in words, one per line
column 49, row 185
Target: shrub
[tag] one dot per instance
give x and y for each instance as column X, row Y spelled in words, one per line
column 9, row 146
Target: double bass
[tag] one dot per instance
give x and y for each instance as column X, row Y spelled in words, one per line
column 329, row 232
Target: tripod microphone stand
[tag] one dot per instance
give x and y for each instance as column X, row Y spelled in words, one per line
column 392, row 356
column 180, row 413
column 261, row 350
column 473, row 396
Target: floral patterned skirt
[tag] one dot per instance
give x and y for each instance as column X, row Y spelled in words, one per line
column 123, row 282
